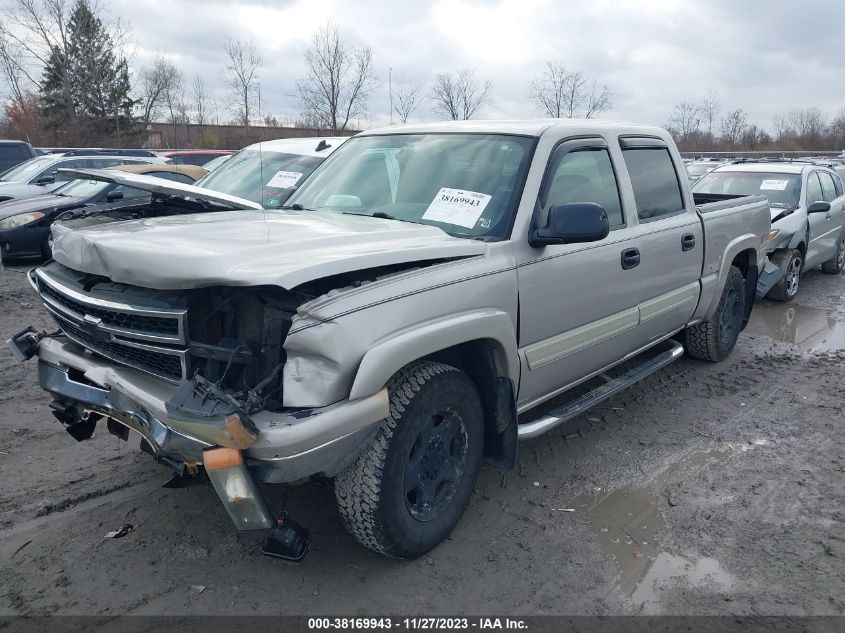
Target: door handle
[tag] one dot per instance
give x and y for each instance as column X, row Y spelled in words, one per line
column 630, row 258
column 688, row 242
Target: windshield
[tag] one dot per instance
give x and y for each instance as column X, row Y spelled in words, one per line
column 466, row 184
column 27, row 169
column 782, row 190
column 82, row 188
column 263, row 177
column 699, row 169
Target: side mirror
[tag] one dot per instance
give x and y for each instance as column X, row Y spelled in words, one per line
column 112, row 196
column 572, row 223
column 46, row 180
column 819, row 206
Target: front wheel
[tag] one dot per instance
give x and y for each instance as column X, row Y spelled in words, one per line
column 835, row 264
column 408, row 490
column 792, row 263
column 715, row 338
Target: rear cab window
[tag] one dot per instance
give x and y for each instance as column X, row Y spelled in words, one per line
column 654, row 180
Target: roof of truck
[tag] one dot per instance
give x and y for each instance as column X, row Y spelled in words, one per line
column 529, row 127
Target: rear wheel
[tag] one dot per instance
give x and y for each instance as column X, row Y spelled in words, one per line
column 835, row 264
column 792, row 263
column 406, row 493
column 715, row 338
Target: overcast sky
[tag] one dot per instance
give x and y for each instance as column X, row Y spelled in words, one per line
column 766, row 56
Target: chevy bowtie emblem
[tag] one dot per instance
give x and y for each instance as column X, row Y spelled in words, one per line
column 91, row 326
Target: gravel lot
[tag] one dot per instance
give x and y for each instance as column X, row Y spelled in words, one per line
column 706, row 489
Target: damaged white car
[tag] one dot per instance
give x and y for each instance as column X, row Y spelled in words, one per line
column 424, row 287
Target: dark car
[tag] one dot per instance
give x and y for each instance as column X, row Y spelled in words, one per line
column 25, row 224
column 194, row 157
column 13, row 153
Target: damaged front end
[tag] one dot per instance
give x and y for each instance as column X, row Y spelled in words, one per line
column 192, row 372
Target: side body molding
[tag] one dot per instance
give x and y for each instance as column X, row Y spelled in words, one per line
column 390, row 355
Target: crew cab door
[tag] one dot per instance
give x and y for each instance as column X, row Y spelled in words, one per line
column 669, row 236
column 825, row 228
column 577, row 304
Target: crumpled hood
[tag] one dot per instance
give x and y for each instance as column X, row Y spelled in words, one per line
column 249, row 248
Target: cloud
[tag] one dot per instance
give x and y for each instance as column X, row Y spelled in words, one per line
column 767, row 56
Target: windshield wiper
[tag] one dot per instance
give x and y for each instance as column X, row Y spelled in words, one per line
column 379, row 214
column 294, row 207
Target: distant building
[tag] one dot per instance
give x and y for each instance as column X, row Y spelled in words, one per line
column 193, row 136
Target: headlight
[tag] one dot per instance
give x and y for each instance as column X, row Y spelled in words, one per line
column 22, row 219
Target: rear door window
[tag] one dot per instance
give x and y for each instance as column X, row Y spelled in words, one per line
column 657, row 190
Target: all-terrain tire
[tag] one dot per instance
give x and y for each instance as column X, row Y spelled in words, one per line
column 792, row 262
column 715, row 338
column 372, row 494
column 835, row 264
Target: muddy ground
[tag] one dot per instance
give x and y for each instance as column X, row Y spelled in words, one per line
column 708, row 488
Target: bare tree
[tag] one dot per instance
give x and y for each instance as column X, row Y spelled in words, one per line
column 174, row 100
column 560, row 93
column 458, row 96
column 734, row 127
column 598, row 100
column 407, row 97
column 685, row 120
column 548, row 90
column 201, row 99
column 338, row 83
column 837, row 130
column 809, row 123
column 242, row 77
column 710, row 108
column 12, row 69
column 157, row 81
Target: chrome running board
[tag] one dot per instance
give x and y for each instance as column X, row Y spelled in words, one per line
column 609, row 389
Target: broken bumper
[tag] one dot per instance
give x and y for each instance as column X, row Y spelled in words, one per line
column 289, row 446
column 771, row 274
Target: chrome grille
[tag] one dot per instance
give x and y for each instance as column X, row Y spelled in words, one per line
column 167, row 365
column 152, row 340
column 135, row 323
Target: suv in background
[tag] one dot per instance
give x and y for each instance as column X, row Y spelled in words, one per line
column 807, row 205
column 13, row 153
column 41, row 175
column 699, row 168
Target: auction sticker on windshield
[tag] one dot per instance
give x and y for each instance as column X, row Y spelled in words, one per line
column 284, row 179
column 458, row 207
column 774, row 185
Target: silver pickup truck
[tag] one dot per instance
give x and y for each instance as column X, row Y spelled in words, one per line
column 424, row 288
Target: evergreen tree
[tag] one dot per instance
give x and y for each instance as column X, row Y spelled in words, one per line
column 85, row 90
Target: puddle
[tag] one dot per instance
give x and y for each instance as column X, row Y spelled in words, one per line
column 812, row 329
column 626, row 524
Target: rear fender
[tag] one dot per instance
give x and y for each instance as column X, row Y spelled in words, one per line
column 747, row 242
